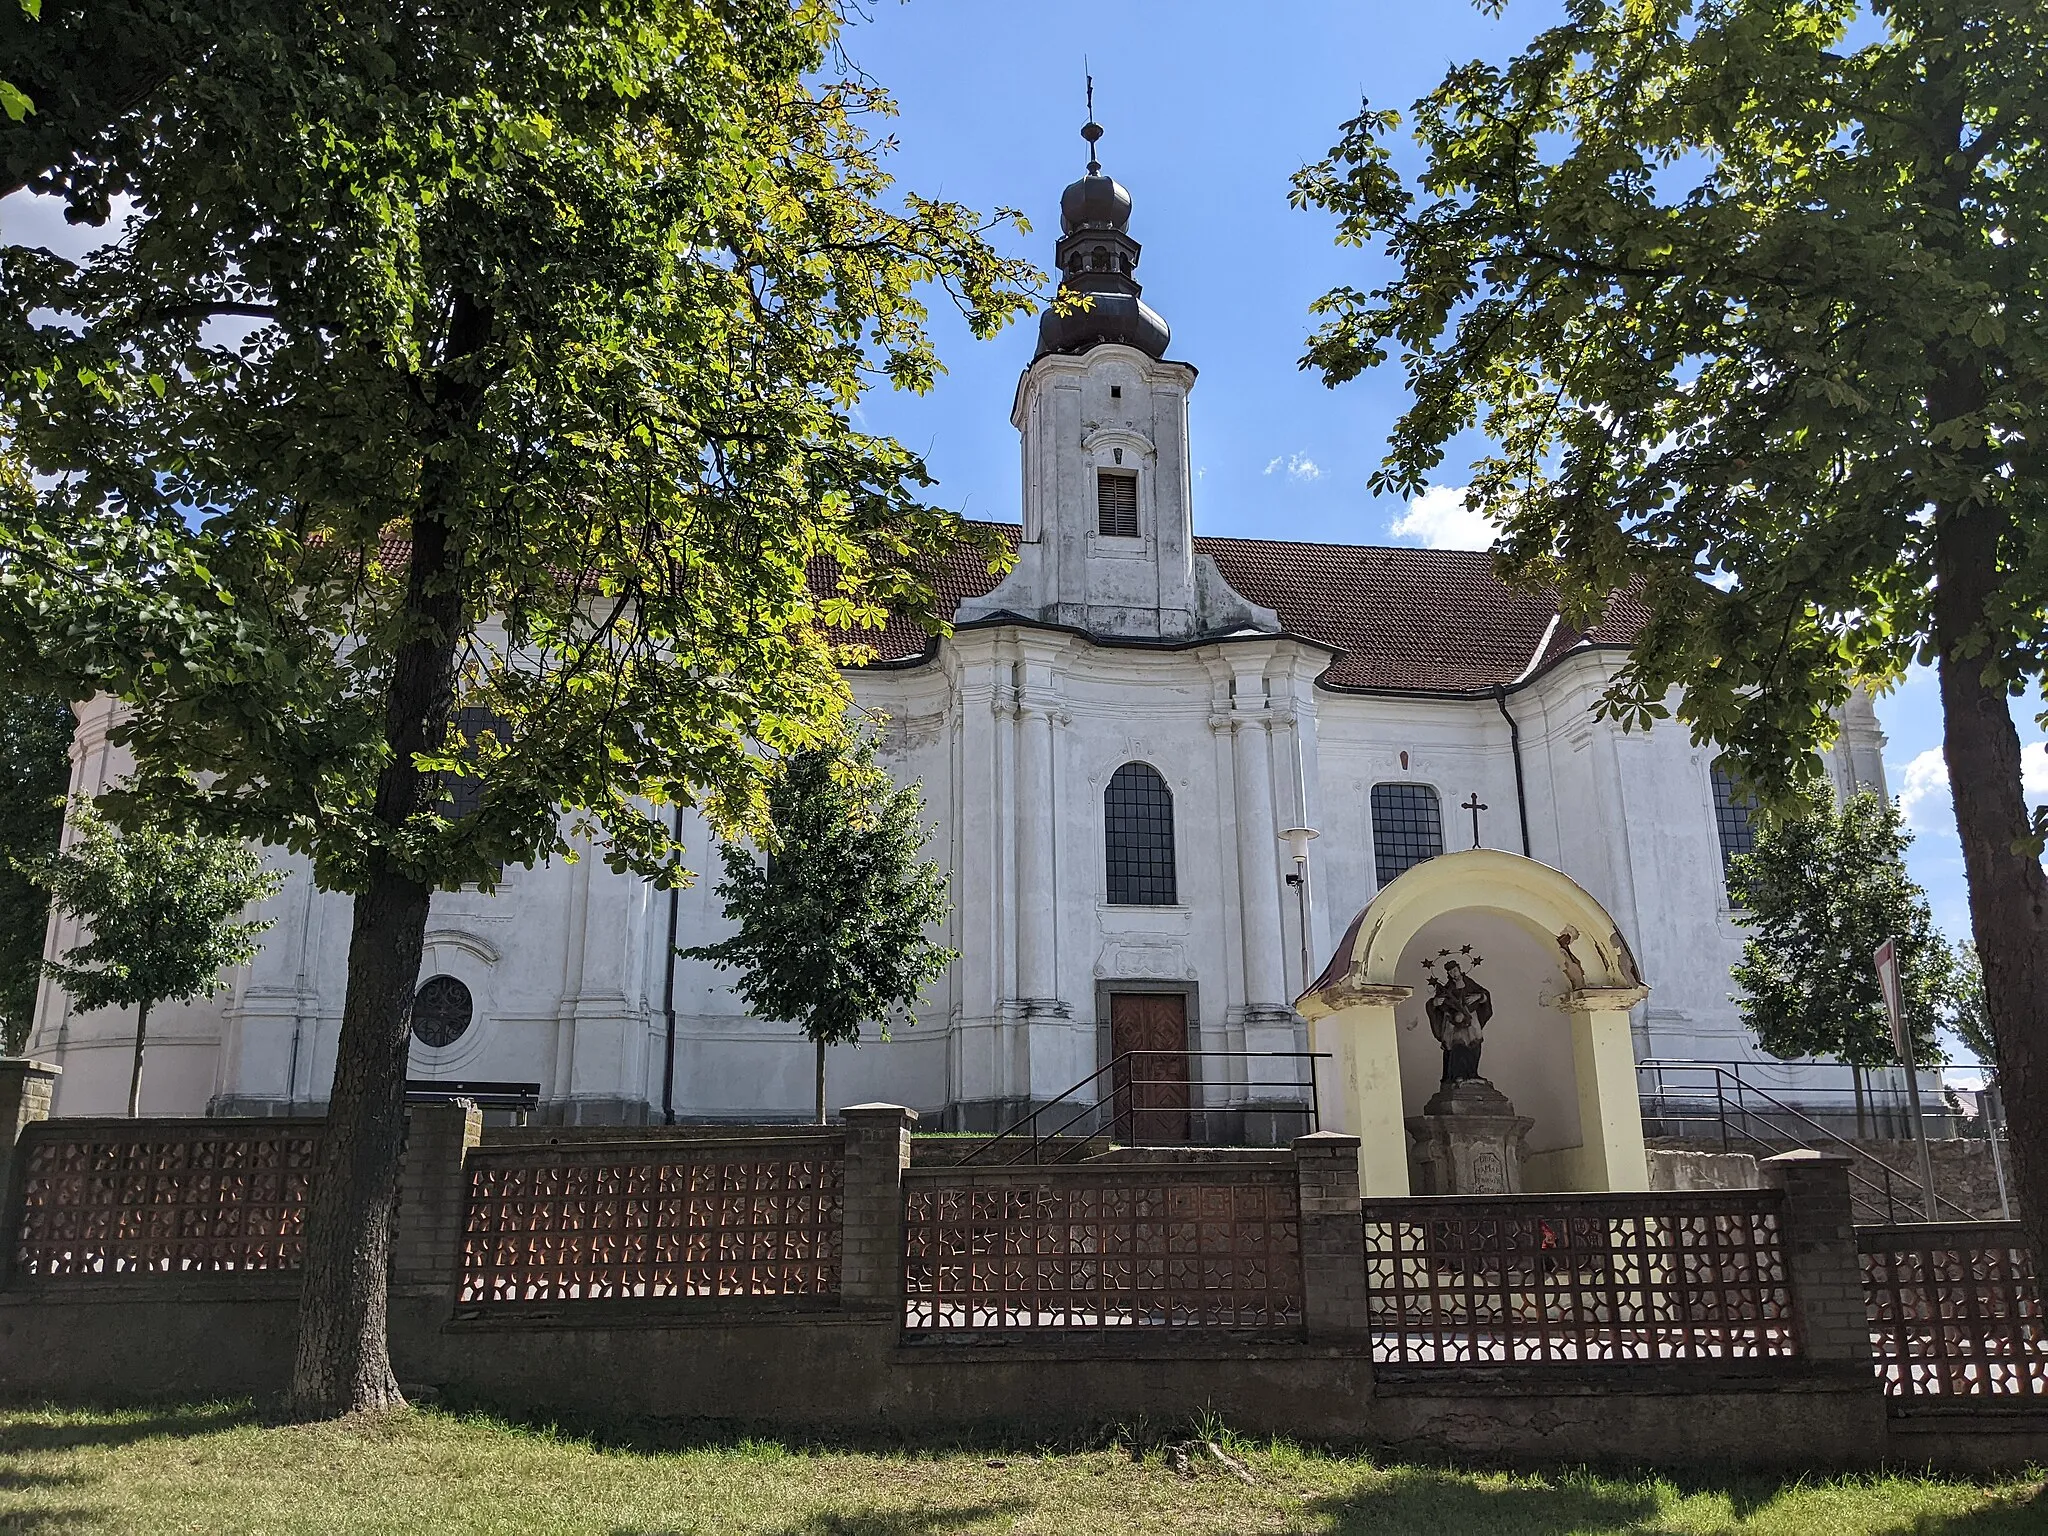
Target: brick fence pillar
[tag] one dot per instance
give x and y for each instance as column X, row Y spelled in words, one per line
column 871, row 1200
column 1332, row 1235
column 25, row 1091
column 1820, row 1252
column 433, row 1189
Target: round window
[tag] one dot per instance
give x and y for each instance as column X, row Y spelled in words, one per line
column 442, row 1011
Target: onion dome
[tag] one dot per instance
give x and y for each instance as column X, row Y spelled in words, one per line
column 1096, row 257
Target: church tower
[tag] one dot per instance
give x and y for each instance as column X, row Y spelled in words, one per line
column 1108, row 524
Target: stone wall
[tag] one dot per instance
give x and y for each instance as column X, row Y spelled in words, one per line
column 1681, row 1172
column 1963, row 1173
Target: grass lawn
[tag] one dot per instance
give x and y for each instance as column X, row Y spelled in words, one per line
column 217, row 1469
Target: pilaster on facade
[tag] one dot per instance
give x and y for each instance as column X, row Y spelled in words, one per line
column 1266, row 1011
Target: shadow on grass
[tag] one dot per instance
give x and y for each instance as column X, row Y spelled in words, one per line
column 45, row 1522
column 1445, row 1499
column 13, row 1480
column 100, row 1427
column 2024, row 1515
column 877, row 1522
column 1433, row 1499
column 657, row 1436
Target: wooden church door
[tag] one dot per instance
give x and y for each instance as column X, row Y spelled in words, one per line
column 1151, row 1089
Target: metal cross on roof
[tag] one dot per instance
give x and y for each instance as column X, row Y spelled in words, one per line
column 1475, row 805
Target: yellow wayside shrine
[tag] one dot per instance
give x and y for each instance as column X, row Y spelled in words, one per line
column 1562, row 981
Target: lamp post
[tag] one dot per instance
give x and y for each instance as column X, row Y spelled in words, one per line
column 1297, row 840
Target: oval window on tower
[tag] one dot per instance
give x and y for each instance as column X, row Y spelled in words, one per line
column 442, row 1011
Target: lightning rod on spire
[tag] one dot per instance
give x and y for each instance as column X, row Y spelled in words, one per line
column 1091, row 130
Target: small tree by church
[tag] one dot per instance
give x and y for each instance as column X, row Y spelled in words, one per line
column 163, row 908
column 1821, row 891
column 834, row 925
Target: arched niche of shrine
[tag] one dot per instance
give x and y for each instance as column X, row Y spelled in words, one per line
column 1528, row 1042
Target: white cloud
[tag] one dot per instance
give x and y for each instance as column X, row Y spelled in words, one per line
column 1441, row 520
column 1299, row 466
column 1924, row 792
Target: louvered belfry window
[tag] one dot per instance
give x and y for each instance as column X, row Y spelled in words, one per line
column 1116, row 504
column 1138, row 833
column 1407, row 828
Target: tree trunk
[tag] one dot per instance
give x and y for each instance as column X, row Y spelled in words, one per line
column 135, row 1072
column 343, row 1361
column 2008, row 887
column 821, row 1082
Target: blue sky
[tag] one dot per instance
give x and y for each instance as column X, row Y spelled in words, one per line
column 1208, row 108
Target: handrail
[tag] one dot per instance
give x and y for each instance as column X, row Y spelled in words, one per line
column 1742, row 1110
column 1312, row 1107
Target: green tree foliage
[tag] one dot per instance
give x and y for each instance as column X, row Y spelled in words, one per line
column 16, row 103
column 164, row 910
column 1967, row 1015
column 497, row 354
column 1750, row 298
column 35, row 767
column 833, row 928
column 1822, row 889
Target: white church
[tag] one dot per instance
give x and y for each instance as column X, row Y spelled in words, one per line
column 1165, row 772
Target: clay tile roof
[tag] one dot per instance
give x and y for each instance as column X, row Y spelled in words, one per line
column 1409, row 620
column 1421, row 620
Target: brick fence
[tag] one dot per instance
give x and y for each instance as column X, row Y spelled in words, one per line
column 817, row 1277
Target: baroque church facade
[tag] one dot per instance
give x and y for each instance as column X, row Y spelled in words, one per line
column 1123, row 745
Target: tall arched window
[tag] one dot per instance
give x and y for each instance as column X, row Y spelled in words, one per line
column 1733, row 805
column 1407, row 827
column 466, row 794
column 1137, row 816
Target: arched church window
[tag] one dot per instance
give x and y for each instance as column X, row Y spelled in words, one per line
column 1734, row 810
column 1407, row 827
column 1138, row 836
column 442, row 1012
column 1116, row 504
column 466, row 794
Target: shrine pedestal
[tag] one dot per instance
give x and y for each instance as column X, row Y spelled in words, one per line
column 1468, row 1140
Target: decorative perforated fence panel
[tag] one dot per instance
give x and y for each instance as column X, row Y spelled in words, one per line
column 1955, row 1310
column 1577, row 1278
column 624, row 1220
column 125, row 1197
column 1201, row 1247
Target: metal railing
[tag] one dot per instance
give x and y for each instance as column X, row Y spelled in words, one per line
column 1744, row 1117
column 1955, row 1311
column 1581, row 1278
column 1156, row 1098
column 1110, row 1245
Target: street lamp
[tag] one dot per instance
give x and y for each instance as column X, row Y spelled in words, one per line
column 1297, row 840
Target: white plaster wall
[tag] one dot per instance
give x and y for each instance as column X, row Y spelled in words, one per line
column 566, row 967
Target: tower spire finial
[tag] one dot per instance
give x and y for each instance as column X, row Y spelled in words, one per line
column 1091, row 130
